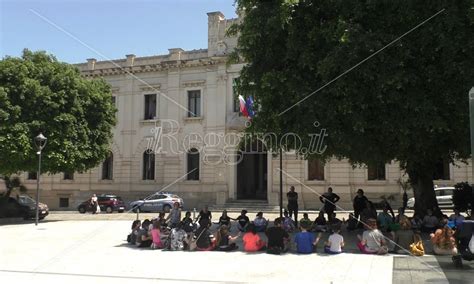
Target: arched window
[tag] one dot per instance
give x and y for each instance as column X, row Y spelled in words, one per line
column 108, row 168
column 193, row 164
column 148, row 165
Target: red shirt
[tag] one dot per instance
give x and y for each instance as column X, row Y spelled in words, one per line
column 252, row 242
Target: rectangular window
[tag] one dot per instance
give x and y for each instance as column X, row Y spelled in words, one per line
column 236, row 102
column 376, row 171
column 107, row 168
column 193, row 164
column 315, row 169
column 150, row 106
column 148, row 166
column 68, row 176
column 442, row 171
column 194, row 103
column 63, row 202
column 32, row 175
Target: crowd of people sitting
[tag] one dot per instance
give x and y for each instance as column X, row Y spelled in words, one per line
column 380, row 233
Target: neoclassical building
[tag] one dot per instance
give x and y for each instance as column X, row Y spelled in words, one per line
column 177, row 126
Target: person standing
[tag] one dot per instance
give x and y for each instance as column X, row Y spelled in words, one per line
column 329, row 200
column 359, row 203
column 95, row 204
column 292, row 197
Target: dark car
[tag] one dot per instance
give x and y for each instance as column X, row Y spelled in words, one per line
column 107, row 202
column 24, row 206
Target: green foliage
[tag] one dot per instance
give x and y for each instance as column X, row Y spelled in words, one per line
column 408, row 103
column 40, row 94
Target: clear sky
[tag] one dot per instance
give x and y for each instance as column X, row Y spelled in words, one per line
column 114, row 28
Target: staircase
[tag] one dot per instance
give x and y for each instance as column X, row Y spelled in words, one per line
column 250, row 205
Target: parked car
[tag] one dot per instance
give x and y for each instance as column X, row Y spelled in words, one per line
column 107, row 202
column 24, row 206
column 158, row 202
column 444, row 196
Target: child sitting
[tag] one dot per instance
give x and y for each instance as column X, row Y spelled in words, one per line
column 260, row 222
column 443, row 241
column 156, row 236
column 372, row 240
column 252, row 241
column 288, row 224
column 320, row 223
column 352, row 222
column 305, row 241
column 132, row 237
column 335, row 242
column 224, row 241
column 143, row 236
column 178, row 237
column 243, row 221
column 306, row 222
column 188, row 224
column 224, row 219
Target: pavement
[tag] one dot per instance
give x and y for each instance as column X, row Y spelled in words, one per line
column 79, row 248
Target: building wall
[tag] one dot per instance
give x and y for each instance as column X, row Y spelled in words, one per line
column 170, row 77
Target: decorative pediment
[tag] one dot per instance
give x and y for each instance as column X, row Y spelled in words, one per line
column 147, row 88
column 195, row 83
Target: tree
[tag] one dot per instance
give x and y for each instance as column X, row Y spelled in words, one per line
column 463, row 197
column 40, row 94
column 407, row 103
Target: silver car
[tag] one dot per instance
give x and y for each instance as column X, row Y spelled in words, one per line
column 444, row 196
column 158, row 202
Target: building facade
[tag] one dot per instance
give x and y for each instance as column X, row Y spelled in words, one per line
column 177, row 126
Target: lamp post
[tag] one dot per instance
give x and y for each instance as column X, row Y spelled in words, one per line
column 40, row 142
column 281, row 182
column 471, row 118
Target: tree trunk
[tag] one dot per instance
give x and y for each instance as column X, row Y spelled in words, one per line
column 421, row 178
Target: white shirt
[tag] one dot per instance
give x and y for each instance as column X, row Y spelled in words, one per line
column 373, row 239
column 336, row 240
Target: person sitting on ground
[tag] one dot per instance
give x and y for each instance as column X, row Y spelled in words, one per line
column 416, row 223
column 144, row 238
column 132, row 237
column 306, row 222
column 277, row 238
column 372, row 240
column 252, row 241
column 404, row 237
column 443, row 241
column 205, row 240
column 352, row 223
column 288, row 224
column 305, row 241
column 175, row 215
column 260, row 222
column 243, row 221
column 188, row 224
column 224, row 241
column 224, row 219
column 162, row 220
column 384, row 220
column 456, row 218
column 156, row 236
column 335, row 243
column 334, row 221
column 368, row 212
column 178, row 237
column 205, row 214
column 400, row 215
column 430, row 222
column 320, row 223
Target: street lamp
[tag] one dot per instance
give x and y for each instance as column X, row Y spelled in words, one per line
column 40, row 142
column 471, row 118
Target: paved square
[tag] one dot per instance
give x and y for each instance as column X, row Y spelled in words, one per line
column 96, row 251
